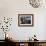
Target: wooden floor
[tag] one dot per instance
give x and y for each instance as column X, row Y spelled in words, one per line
column 19, row 43
column 4, row 43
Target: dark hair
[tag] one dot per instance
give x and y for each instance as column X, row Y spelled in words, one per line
column 34, row 35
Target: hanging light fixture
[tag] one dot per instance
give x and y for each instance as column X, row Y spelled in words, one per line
column 36, row 3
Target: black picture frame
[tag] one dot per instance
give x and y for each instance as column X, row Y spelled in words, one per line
column 26, row 20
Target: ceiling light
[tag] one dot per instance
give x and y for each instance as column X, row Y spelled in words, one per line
column 36, row 3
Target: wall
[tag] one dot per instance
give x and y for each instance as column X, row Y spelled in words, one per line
column 11, row 8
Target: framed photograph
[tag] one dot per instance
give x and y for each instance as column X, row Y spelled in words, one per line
column 25, row 19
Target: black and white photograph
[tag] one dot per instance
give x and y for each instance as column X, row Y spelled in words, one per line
column 25, row 19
